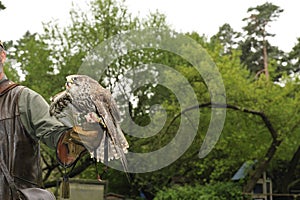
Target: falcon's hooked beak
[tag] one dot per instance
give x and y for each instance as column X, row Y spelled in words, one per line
column 69, row 82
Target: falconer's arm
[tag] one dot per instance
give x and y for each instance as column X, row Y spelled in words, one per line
column 35, row 117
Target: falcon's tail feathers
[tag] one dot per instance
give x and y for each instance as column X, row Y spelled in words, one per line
column 116, row 149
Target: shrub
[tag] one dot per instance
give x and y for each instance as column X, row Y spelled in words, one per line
column 217, row 191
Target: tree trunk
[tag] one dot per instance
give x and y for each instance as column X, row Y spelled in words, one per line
column 289, row 175
column 265, row 57
column 261, row 166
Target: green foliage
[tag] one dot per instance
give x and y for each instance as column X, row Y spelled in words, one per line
column 227, row 37
column 294, row 56
column 34, row 60
column 256, row 38
column 2, row 7
column 12, row 73
column 45, row 59
column 260, row 17
column 10, row 68
column 217, row 191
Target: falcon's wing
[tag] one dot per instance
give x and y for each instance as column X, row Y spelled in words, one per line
column 111, row 117
column 114, row 110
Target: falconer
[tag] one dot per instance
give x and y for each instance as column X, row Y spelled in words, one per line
column 24, row 123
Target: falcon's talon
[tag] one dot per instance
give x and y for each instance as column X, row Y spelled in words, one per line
column 102, row 123
column 93, row 117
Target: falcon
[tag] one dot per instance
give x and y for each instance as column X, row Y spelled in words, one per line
column 86, row 102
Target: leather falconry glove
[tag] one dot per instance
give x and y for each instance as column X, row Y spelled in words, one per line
column 74, row 142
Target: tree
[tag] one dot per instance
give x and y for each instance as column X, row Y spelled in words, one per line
column 32, row 56
column 2, row 7
column 227, row 37
column 256, row 128
column 47, row 58
column 294, row 57
column 256, row 46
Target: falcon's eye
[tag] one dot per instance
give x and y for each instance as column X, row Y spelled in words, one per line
column 74, row 78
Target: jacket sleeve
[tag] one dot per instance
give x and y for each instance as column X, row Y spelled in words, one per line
column 34, row 113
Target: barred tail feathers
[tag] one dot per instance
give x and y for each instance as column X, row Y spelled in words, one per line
column 116, row 146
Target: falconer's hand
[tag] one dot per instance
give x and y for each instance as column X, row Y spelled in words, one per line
column 74, row 142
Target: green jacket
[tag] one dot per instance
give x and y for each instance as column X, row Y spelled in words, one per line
column 35, row 117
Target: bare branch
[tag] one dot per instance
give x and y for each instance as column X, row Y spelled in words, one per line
column 229, row 106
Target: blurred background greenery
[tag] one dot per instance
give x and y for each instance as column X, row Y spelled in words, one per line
column 261, row 90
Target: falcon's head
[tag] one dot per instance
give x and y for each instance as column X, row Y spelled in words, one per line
column 79, row 83
column 75, row 83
